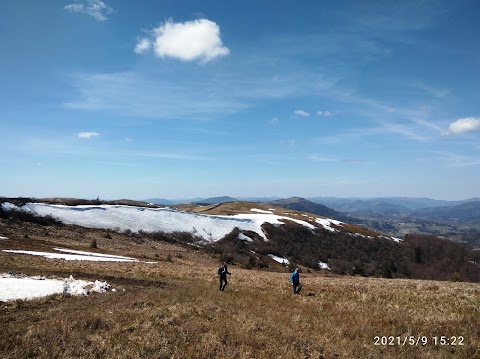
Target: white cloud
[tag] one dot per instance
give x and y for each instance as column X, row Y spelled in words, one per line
column 94, row 8
column 142, row 46
column 463, row 125
column 87, row 134
column 324, row 113
column 274, row 121
column 196, row 40
column 301, row 113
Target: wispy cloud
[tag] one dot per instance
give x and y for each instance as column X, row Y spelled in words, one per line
column 170, row 155
column 94, row 8
column 457, row 160
column 432, row 91
column 404, row 131
column 319, row 158
column 164, row 97
column 411, row 122
column 324, row 113
column 389, row 17
column 352, row 162
column 301, row 113
column 87, row 134
column 143, row 45
column 463, row 125
column 131, row 94
column 196, row 40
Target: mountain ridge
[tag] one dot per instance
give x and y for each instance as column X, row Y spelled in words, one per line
column 251, row 234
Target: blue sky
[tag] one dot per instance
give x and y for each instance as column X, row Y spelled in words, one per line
column 179, row 99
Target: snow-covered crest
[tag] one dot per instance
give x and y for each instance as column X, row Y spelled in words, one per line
column 207, row 228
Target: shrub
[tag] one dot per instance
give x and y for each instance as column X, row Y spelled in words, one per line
column 24, row 216
column 455, row 277
column 252, row 262
column 227, row 258
column 262, row 264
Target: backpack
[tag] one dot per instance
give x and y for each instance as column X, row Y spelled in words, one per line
column 295, row 278
column 220, row 270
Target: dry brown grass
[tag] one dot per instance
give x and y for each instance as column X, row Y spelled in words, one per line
column 173, row 309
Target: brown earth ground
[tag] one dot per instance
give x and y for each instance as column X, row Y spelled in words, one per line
column 173, row 308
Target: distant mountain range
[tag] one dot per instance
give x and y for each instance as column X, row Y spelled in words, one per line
column 339, row 204
column 468, row 212
column 385, row 204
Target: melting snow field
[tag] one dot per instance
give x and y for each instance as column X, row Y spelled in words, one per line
column 280, row 260
column 77, row 256
column 18, row 287
column 14, row 287
column 206, row 227
column 121, row 218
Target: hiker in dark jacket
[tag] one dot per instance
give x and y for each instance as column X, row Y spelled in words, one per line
column 295, row 280
column 222, row 274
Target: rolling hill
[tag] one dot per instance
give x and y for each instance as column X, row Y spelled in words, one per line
column 301, row 204
column 468, row 212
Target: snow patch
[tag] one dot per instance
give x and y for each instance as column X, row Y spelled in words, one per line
column 207, row 228
column 92, row 254
column 323, row 265
column 244, row 237
column 7, row 206
column 3, row 238
column 270, row 218
column 19, row 287
column 122, row 218
column 73, row 257
column 260, row 210
column 280, row 260
column 327, row 223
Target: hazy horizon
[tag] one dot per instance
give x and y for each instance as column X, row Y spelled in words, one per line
column 234, row 197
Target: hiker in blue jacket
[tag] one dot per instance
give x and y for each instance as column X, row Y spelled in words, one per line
column 295, row 280
column 222, row 274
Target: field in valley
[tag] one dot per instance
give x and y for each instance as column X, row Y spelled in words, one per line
column 173, row 308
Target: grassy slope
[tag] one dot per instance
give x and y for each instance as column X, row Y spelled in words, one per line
column 174, row 309
column 232, row 208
